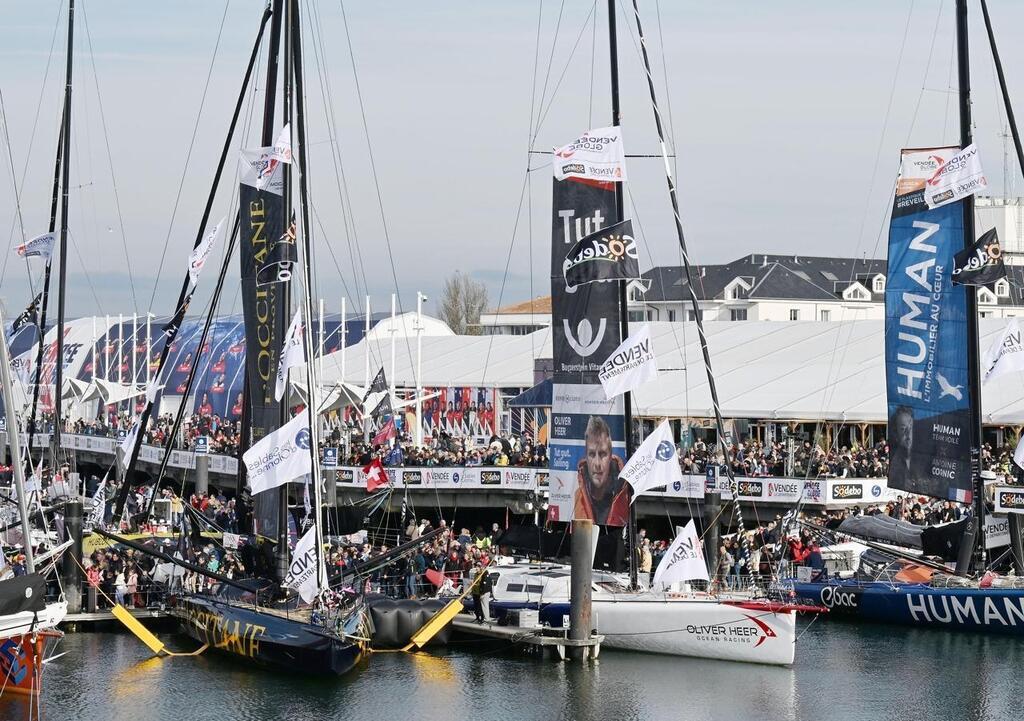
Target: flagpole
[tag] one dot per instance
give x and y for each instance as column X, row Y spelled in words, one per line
column 393, row 331
column 106, row 349
column 120, row 347
column 419, row 368
column 320, row 353
column 13, row 434
column 366, row 370
column 343, row 331
column 135, row 354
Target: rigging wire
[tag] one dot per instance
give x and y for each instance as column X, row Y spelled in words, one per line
column 188, row 156
column 110, row 163
column 32, row 135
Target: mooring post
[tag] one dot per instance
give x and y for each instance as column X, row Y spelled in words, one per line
column 580, row 595
column 72, row 579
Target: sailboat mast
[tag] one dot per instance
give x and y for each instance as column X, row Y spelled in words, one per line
column 691, row 290
column 627, row 398
column 973, row 355
column 62, row 267
column 13, row 433
column 313, row 397
column 285, row 292
column 45, row 302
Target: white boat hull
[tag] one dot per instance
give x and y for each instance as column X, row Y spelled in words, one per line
column 702, row 629
column 16, row 624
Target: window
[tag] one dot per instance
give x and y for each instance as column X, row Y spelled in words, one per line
column 650, row 315
column 856, row 292
column 826, row 315
column 738, row 314
column 984, row 314
column 879, row 284
column 671, row 316
column 734, row 292
column 636, row 294
column 690, row 316
column 794, row 314
column 1002, row 289
column 636, row 316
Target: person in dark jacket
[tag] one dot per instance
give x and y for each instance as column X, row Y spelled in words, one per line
column 481, row 585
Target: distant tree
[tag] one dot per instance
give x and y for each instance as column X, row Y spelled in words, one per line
column 462, row 301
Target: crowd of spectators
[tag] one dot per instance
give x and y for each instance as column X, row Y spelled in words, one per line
column 506, row 450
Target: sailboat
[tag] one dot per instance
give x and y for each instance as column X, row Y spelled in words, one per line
column 593, row 252
column 934, row 396
column 260, row 620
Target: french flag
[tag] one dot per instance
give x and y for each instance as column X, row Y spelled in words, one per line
column 960, row 495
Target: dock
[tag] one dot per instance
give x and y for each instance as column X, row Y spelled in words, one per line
column 73, row 621
column 542, row 637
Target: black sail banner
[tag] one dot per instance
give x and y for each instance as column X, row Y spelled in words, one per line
column 277, row 268
column 262, row 223
column 980, row 264
column 608, row 254
column 926, row 340
column 587, row 437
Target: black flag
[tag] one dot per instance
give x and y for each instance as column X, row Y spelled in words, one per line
column 282, row 256
column 608, row 254
column 379, row 385
column 383, row 408
column 29, row 315
column 980, row 264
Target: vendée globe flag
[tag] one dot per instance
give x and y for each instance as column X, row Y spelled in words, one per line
column 655, row 463
column 280, row 456
column 630, row 366
column 302, row 575
column 683, row 561
column 41, row 246
column 598, row 154
column 1004, row 356
column 292, row 355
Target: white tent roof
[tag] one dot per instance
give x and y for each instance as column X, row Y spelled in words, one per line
column 800, row 370
column 793, row 371
column 453, row 360
column 404, row 326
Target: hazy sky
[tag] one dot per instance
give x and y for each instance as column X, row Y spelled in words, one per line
column 780, row 113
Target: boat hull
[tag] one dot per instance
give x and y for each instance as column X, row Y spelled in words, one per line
column 266, row 639
column 683, row 627
column 21, row 661
column 985, row 610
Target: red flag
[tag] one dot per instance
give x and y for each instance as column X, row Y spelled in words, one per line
column 376, row 476
column 435, row 577
column 385, row 434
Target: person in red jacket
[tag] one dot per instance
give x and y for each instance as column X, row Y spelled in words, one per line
column 601, row 495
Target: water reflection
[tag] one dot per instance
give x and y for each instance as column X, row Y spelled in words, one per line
column 842, row 671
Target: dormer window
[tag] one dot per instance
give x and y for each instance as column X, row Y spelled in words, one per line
column 986, row 297
column 636, row 294
column 856, row 291
column 1002, row 289
column 736, row 288
column 878, row 285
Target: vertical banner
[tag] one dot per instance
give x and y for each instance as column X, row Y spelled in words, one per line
column 584, row 480
column 926, row 339
column 262, row 223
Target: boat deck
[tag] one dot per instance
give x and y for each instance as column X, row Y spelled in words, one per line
column 541, row 637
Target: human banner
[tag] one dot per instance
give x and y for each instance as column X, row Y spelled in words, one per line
column 925, row 337
column 586, row 445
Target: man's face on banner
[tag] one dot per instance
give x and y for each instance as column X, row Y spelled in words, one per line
column 599, row 457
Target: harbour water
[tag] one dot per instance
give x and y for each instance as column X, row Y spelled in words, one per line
column 843, row 672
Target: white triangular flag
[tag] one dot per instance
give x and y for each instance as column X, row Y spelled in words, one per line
column 683, row 561
column 128, row 444
column 41, row 246
column 1018, row 454
column 631, row 364
column 197, row 258
column 258, row 168
column 283, row 145
column 1006, row 355
column 280, row 456
column 291, row 354
column 654, row 463
column 302, row 575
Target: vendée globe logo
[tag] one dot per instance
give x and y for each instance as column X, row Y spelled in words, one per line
column 665, row 451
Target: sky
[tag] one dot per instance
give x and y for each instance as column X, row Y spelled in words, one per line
column 785, row 120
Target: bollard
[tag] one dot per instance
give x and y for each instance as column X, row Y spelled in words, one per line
column 72, row 579
column 202, row 474
column 92, row 602
column 712, row 510
column 580, row 589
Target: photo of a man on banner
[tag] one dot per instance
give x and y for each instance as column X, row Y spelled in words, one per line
column 601, row 496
